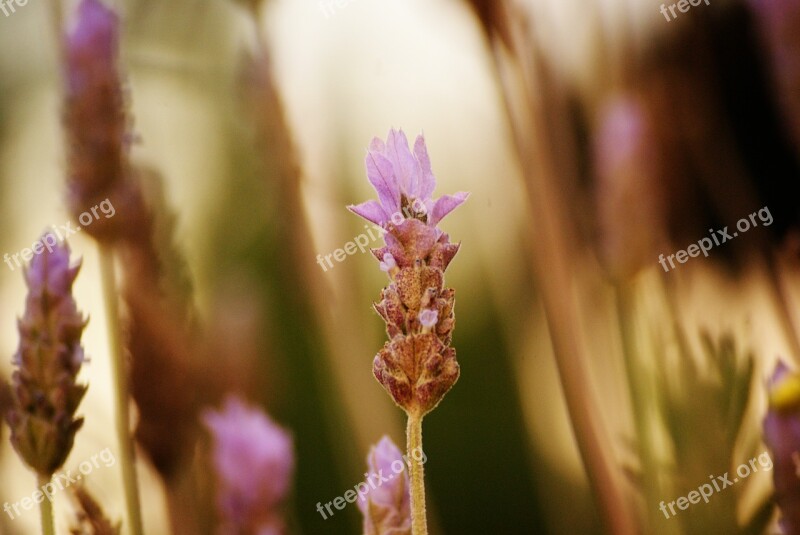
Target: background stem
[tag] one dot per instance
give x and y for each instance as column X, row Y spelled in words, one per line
column 46, row 509
column 120, row 388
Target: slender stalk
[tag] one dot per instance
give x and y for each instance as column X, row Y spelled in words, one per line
column 554, row 263
column 419, row 523
column 46, row 509
column 57, row 21
column 643, row 405
column 120, row 388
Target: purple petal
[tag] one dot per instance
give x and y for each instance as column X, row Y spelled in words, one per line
column 428, row 317
column 444, row 205
column 382, row 178
column 780, row 372
column 371, row 211
column 391, row 494
column 95, row 31
column 427, row 180
column 377, row 145
column 406, row 168
column 389, row 263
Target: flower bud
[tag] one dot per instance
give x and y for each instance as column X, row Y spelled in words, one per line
column 386, row 506
column 45, row 392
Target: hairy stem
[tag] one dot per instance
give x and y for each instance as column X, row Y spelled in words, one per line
column 120, row 388
column 419, row 523
column 46, row 509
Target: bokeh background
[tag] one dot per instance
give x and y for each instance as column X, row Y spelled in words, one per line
column 593, row 136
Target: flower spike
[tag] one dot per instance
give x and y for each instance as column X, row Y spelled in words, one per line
column 45, row 390
column 416, row 366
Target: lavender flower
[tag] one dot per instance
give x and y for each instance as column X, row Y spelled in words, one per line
column 94, row 113
column 417, row 367
column 45, row 391
column 779, row 25
column 630, row 198
column 254, row 462
column 782, row 436
column 96, row 125
column 386, row 507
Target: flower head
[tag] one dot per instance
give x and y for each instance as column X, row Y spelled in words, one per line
column 387, row 506
column 95, row 117
column 254, row 461
column 404, row 183
column 416, row 366
column 45, row 391
column 96, row 126
column 782, row 436
column 405, row 207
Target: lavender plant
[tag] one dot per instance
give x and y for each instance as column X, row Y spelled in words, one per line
column 416, row 366
column 96, row 132
column 387, row 507
column 782, row 436
column 254, row 463
column 96, row 126
column 45, row 390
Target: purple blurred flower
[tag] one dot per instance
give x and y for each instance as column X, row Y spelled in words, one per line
column 45, row 391
column 94, row 119
column 387, row 504
column 779, row 25
column 97, row 127
column 94, row 35
column 782, row 436
column 254, row 461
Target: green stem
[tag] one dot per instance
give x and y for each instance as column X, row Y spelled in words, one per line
column 120, row 388
column 46, row 509
column 643, row 405
column 419, row 524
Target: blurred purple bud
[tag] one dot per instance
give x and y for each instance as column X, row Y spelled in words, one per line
column 254, row 461
column 386, row 504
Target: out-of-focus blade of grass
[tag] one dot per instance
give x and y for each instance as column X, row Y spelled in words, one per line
column 538, row 107
column 248, row 226
column 263, row 234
